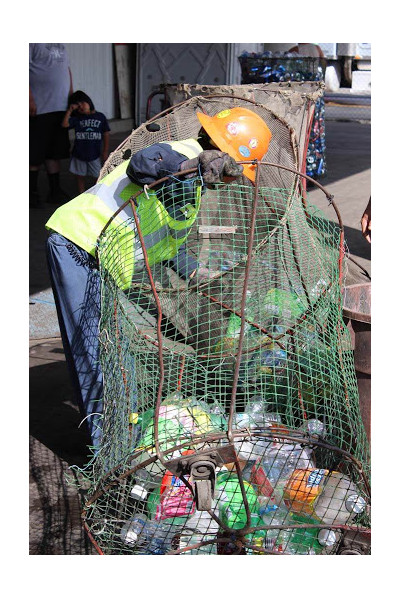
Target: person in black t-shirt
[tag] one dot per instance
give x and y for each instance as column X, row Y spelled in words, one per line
column 91, row 144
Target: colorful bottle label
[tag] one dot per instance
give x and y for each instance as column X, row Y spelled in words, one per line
column 315, row 478
column 302, row 489
column 259, row 479
column 176, row 499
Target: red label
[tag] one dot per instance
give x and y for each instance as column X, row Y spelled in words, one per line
column 258, row 478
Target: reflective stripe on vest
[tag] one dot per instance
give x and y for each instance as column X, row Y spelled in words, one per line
column 82, row 219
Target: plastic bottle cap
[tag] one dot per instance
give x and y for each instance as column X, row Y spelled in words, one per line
column 131, row 537
column 355, row 503
column 139, row 492
column 327, row 537
column 133, row 418
column 315, row 427
column 266, row 509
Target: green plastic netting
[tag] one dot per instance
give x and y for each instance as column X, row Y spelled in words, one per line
column 231, row 416
column 257, row 348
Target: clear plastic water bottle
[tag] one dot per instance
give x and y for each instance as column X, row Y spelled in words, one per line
column 146, row 478
column 257, row 416
column 216, row 414
column 258, row 412
column 319, row 287
column 147, row 536
column 146, row 481
column 277, row 539
column 251, row 450
column 280, row 460
column 340, row 501
column 199, row 528
column 314, row 427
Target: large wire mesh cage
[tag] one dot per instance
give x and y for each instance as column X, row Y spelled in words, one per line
column 231, row 420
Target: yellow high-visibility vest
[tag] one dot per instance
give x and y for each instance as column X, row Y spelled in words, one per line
column 83, row 219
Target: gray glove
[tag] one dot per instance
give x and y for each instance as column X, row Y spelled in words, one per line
column 215, row 165
column 188, row 164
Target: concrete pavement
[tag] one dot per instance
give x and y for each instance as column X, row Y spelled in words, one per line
column 56, row 440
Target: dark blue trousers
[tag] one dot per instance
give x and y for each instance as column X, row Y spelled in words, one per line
column 76, row 288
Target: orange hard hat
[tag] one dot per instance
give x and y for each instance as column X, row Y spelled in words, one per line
column 239, row 132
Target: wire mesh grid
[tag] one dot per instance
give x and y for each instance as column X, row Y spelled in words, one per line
column 248, row 366
column 182, row 123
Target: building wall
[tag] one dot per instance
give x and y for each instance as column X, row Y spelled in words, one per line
column 208, row 63
column 93, row 72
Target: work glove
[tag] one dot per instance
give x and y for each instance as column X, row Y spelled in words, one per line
column 215, row 166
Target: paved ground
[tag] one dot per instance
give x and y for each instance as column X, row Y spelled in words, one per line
column 56, row 442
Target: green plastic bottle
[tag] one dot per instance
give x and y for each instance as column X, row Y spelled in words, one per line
column 231, row 338
column 230, row 499
column 304, row 541
column 282, row 304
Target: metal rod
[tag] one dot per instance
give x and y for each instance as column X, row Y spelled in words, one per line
column 159, row 336
column 214, row 437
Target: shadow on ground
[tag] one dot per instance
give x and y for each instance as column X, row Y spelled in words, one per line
column 54, row 419
column 56, row 442
column 55, row 525
column 348, row 150
column 357, row 245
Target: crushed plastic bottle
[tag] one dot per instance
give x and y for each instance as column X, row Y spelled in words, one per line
column 218, row 417
column 258, row 412
column 147, row 477
column 146, row 481
column 257, row 538
column 292, row 541
column 281, row 459
column 314, row 427
column 270, row 361
column 178, row 416
column 223, row 260
column 199, row 528
column 230, row 500
column 276, row 539
column 320, row 287
column 148, row 537
column 281, row 304
column 255, row 415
